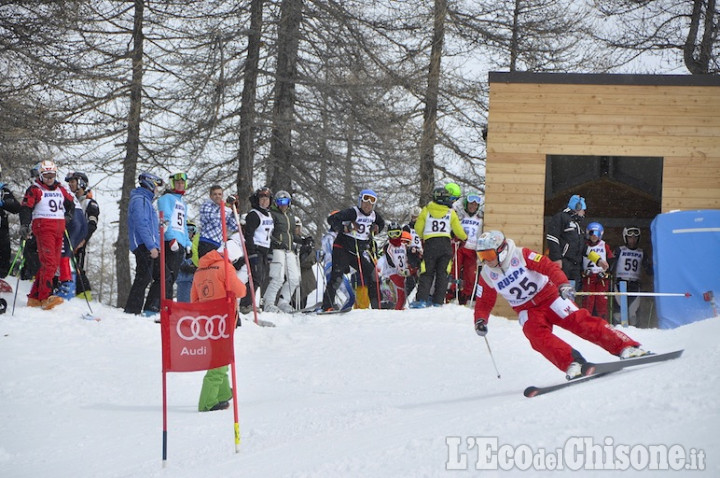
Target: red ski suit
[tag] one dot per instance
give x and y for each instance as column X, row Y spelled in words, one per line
column 595, row 280
column 529, row 281
column 48, row 206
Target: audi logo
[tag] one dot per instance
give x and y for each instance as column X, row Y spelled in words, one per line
column 203, row 327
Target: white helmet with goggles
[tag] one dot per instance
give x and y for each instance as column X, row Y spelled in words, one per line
column 492, row 245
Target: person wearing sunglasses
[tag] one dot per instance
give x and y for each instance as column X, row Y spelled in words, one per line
column 566, row 239
column 144, row 235
column 284, row 267
column 435, row 225
column 394, row 265
column 46, row 209
column 628, row 267
column 355, row 228
column 177, row 240
column 539, row 291
column 464, row 270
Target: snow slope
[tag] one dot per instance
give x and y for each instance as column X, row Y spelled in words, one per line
column 363, row 394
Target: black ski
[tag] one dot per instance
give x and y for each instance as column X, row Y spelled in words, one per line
column 533, row 391
column 606, row 367
column 592, row 371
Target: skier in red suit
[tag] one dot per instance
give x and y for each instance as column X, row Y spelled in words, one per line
column 46, row 204
column 539, row 291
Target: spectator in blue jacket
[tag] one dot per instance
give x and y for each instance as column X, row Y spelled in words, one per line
column 177, row 242
column 144, row 233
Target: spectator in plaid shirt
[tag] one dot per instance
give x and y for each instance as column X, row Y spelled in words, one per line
column 210, row 225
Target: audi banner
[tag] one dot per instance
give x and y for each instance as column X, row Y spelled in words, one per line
column 197, row 336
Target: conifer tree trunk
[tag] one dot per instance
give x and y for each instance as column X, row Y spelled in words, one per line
column 427, row 142
column 279, row 166
column 122, row 264
column 246, row 146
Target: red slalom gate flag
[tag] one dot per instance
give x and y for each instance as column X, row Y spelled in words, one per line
column 197, row 336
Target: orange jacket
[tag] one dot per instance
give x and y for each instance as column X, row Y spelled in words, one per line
column 210, row 279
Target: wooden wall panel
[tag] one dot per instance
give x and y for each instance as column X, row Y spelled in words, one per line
column 528, row 121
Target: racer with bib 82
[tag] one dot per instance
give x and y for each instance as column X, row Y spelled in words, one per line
column 434, row 225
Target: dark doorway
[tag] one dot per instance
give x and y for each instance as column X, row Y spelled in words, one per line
column 619, row 191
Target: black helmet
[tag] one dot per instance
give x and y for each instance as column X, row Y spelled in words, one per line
column 81, row 178
column 262, row 192
column 442, row 196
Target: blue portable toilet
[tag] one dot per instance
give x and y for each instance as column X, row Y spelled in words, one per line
column 686, row 258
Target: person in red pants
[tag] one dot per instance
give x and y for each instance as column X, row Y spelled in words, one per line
column 540, row 292
column 595, row 279
column 46, row 205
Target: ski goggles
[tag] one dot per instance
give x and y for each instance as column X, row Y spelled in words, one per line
column 487, row 255
column 473, row 198
column 179, row 177
column 282, row 201
column 395, row 233
column 633, row 232
column 264, row 193
column 369, row 198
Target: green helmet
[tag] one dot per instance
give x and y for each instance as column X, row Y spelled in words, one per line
column 453, row 190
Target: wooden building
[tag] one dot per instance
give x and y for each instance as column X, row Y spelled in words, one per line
column 633, row 145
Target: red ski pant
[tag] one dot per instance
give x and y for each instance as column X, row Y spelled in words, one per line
column 596, row 303
column 49, row 236
column 538, row 322
column 464, row 268
column 398, row 282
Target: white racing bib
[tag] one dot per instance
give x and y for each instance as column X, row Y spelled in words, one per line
column 50, row 206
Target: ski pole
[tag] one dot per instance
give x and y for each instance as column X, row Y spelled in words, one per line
column 17, row 283
column 475, row 284
column 78, row 272
column 17, row 254
column 639, row 294
column 457, row 278
column 491, row 357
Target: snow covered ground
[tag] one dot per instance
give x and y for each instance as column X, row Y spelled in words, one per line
column 364, row 394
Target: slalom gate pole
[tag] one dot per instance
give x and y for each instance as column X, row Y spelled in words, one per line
column 77, row 269
column 247, row 261
column 639, row 294
column 230, row 269
column 17, row 283
column 492, row 357
column 164, row 372
column 373, row 257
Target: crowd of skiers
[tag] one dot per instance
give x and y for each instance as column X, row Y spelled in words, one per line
column 442, row 251
column 434, row 252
